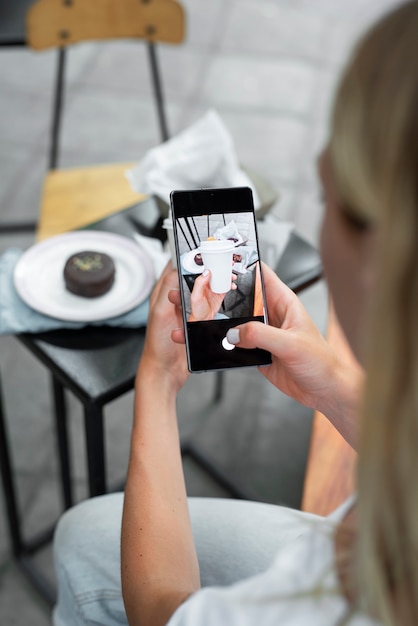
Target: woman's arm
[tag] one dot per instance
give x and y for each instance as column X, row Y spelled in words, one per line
column 159, row 564
column 304, row 365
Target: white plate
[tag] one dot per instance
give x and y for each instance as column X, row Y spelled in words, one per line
column 189, row 264
column 39, row 277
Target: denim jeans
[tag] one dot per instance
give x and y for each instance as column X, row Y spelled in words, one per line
column 234, row 539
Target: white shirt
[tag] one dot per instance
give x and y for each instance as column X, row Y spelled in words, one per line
column 300, row 588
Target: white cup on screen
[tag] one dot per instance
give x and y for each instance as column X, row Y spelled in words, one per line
column 217, row 257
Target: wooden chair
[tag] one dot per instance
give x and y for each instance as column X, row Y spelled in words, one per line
column 62, row 23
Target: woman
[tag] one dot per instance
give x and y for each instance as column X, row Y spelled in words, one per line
column 360, row 565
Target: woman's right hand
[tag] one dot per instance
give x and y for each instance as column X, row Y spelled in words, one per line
column 164, row 354
column 304, row 365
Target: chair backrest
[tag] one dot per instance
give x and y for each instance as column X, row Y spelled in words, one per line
column 59, row 23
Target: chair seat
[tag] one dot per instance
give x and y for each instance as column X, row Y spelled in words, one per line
column 87, row 192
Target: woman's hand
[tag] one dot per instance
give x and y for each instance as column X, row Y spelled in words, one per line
column 163, row 356
column 304, row 365
column 204, row 302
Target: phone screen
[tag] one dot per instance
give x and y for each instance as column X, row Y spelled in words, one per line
column 202, row 219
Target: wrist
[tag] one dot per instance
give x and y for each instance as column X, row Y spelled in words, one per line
column 155, row 377
column 341, row 404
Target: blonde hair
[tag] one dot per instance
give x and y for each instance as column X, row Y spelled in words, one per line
column 374, row 154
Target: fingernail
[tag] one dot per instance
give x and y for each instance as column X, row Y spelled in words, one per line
column 233, row 336
column 205, row 272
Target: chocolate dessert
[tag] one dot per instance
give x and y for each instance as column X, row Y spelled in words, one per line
column 89, row 273
column 198, row 259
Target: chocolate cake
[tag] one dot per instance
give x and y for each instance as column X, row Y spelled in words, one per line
column 198, row 259
column 89, row 273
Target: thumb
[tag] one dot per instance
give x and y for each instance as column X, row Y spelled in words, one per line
column 257, row 335
column 201, row 282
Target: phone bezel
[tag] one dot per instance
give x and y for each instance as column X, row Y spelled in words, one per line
column 202, row 202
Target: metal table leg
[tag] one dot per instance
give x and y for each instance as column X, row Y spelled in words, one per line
column 21, row 550
column 62, row 441
column 8, row 486
column 93, row 421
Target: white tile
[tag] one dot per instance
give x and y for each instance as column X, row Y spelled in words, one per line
column 11, row 165
column 27, row 71
column 269, row 144
column 123, row 68
column 22, row 197
column 271, row 85
column 267, row 27
column 205, row 21
column 103, row 123
column 24, row 119
column 355, row 9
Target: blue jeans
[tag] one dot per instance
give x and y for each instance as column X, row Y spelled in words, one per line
column 234, row 539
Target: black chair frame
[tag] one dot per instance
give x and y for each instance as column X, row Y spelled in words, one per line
column 18, row 39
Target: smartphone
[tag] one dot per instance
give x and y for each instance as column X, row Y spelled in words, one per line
column 202, row 217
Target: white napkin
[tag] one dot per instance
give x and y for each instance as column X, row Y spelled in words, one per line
column 203, row 155
column 273, row 237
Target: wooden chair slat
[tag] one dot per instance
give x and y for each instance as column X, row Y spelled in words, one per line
column 73, row 198
column 59, row 23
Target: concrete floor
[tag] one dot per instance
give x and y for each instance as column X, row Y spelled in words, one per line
column 269, row 68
